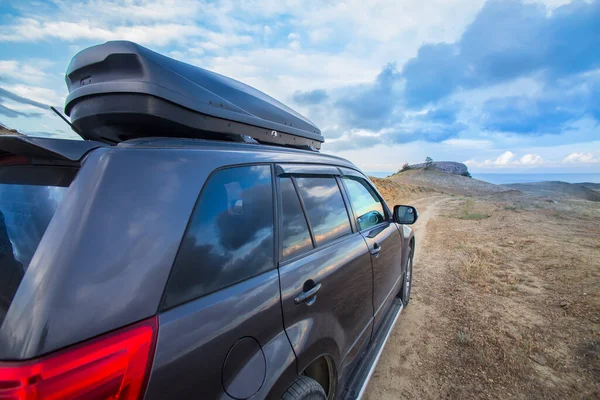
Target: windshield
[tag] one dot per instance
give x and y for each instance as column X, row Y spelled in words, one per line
column 25, row 212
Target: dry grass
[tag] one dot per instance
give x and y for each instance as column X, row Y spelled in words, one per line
column 506, row 307
column 463, row 338
column 399, row 193
column 474, row 263
column 467, row 212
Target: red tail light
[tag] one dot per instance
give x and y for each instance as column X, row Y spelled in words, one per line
column 114, row 366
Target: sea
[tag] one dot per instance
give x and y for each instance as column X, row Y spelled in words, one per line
column 500, row 179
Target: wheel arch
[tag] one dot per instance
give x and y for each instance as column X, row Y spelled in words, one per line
column 322, row 369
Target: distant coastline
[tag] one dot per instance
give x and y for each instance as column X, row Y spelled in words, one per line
column 503, row 178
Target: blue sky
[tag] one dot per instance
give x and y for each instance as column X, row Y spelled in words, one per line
column 506, row 86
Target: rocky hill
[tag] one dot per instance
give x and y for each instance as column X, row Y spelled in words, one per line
column 448, row 182
column 7, row 131
column 451, row 167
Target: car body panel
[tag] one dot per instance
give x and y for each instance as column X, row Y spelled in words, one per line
column 197, row 337
column 387, row 266
column 106, row 254
column 339, row 321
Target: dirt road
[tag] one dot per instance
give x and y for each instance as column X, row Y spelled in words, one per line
column 500, row 307
column 400, row 370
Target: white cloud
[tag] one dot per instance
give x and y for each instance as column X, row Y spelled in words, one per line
column 583, row 158
column 31, row 71
column 474, row 144
column 503, row 159
column 29, row 29
column 531, row 159
column 320, row 34
column 36, row 93
column 508, row 159
column 123, row 11
column 281, row 71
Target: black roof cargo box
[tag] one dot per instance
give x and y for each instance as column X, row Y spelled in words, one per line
column 121, row 90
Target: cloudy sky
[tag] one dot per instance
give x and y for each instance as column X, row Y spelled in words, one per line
column 506, row 86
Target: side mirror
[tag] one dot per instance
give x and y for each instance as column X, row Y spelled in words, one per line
column 405, row 215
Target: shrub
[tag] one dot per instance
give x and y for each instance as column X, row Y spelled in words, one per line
column 428, row 163
column 463, row 338
column 467, row 174
column 405, row 167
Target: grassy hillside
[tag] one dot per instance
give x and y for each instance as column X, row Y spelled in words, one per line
column 447, row 183
column 558, row 189
column 399, row 192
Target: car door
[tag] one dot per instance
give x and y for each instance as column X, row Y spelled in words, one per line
column 325, row 269
column 375, row 224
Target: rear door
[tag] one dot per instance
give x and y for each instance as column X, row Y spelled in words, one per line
column 220, row 326
column 325, row 269
column 374, row 222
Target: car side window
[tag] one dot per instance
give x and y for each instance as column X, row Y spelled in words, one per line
column 295, row 236
column 325, row 208
column 229, row 237
column 365, row 202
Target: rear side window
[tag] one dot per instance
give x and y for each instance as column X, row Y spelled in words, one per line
column 25, row 212
column 295, row 236
column 229, row 237
column 325, row 208
column 365, row 202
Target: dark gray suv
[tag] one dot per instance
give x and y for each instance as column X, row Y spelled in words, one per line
column 175, row 268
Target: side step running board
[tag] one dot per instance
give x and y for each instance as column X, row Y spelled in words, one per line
column 357, row 384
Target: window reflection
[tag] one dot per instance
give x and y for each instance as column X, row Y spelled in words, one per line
column 295, row 235
column 366, row 204
column 25, row 212
column 325, row 208
column 230, row 236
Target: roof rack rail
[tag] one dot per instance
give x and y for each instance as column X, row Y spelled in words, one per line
column 121, row 90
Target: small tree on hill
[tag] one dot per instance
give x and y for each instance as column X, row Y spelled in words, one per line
column 405, row 167
column 428, row 163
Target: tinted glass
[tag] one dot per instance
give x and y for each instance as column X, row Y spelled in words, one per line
column 295, row 236
column 230, row 235
column 25, row 212
column 365, row 202
column 325, row 208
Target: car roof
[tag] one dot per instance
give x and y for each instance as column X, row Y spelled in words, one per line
column 296, row 155
column 75, row 150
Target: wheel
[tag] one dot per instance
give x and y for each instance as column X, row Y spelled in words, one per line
column 304, row 388
column 407, row 283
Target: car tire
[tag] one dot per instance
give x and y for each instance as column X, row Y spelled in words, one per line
column 304, row 388
column 407, row 281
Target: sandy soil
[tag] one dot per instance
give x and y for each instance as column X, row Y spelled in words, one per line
column 505, row 302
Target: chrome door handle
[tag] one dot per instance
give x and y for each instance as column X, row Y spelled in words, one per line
column 308, row 296
column 375, row 250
